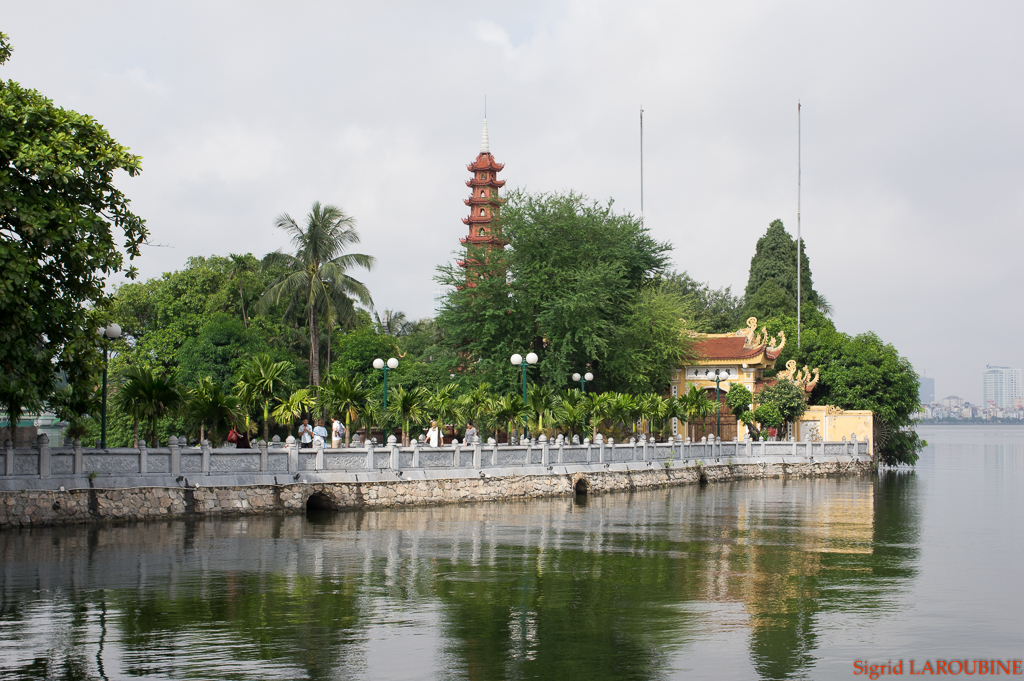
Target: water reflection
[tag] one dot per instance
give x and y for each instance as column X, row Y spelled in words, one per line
column 625, row 586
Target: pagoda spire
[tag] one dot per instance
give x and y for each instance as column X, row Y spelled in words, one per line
column 484, row 203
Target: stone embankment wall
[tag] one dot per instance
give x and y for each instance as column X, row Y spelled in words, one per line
column 95, row 503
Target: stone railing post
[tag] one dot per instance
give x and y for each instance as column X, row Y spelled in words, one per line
column 8, row 457
column 416, row 454
column 206, row 449
column 370, row 463
column 853, row 440
column 43, row 445
column 79, row 464
column 478, row 454
column 561, row 452
column 293, row 454
column 318, row 446
column 643, row 450
column 494, row 454
column 264, row 453
column 545, row 450
column 396, row 453
column 456, row 453
column 174, row 465
column 143, row 458
column 600, row 448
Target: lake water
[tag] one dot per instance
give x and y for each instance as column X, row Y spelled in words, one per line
column 778, row 579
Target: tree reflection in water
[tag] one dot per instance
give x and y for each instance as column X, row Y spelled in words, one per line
column 620, row 587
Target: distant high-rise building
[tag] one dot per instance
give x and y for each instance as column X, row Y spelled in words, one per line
column 1000, row 387
column 926, row 393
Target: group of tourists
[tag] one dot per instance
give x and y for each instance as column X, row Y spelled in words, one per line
column 310, row 436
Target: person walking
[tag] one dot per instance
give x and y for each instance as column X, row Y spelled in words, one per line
column 472, row 436
column 433, row 435
column 305, row 434
column 320, row 433
column 337, row 433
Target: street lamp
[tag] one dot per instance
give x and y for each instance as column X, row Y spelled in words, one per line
column 112, row 332
column 517, row 360
column 391, row 364
column 582, row 380
column 720, row 375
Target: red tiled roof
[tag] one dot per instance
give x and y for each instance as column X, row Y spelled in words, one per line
column 725, row 348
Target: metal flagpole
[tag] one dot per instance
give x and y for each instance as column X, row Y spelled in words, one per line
column 641, row 164
column 799, row 243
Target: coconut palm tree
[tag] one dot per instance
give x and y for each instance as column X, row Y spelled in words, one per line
column 317, row 281
column 340, row 394
column 698, row 406
column 263, row 382
column 541, row 402
column 571, row 416
column 207, row 403
column 507, row 410
column 392, row 323
column 293, row 407
column 145, row 396
column 600, row 406
column 409, row 406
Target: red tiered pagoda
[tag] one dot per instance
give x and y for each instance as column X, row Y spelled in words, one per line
column 484, row 203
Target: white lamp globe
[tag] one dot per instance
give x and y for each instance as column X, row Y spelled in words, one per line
column 113, row 331
column 101, row 332
column 588, row 376
column 517, row 359
column 532, row 358
column 378, row 363
column 576, row 377
column 392, row 363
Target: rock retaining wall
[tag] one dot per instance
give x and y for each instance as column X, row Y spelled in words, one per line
column 48, row 507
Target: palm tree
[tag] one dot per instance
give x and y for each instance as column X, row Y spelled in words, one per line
column 571, row 416
column 342, row 394
column 317, row 281
column 507, row 409
column 655, row 411
column 476, row 406
column 443, row 406
column 541, row 402
column 698, row 406
column 208, row 403
column 630, row 408
column 600, row 406
column 392, row 323
column 145, row 396
column 409, row 406
column 293, row 407
column 261, row 383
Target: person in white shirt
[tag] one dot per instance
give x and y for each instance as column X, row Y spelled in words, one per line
column 319, row 433
column 433, row 434
column 337, row 433
column 305, row 434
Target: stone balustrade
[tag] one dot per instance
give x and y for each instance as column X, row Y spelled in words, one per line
column 74, row 465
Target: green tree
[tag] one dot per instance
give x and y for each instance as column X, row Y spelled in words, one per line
column 317, row 280
column 699, row 406
column 508, row 410
column 708, row 310
column 263, row 382
column 772, row 283
column 409, row 407
column 293, row 407
column 146, row 396
column 207, row 403
column 568, row 287
column 787, row 397
column 64, row 228
column 739, row 399
column 541, row 404
column 341, row 394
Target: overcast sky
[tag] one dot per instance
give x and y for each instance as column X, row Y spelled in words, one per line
column 913, row 148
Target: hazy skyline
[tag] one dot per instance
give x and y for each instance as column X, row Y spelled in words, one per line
column 912, row 141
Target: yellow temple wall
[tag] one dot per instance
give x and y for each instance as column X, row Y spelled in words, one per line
column 826, row 423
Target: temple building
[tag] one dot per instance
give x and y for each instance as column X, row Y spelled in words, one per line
column 484, row 206
column 742, row 357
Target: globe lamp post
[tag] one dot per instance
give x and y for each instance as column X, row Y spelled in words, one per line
column 517, row 360
column 582, row 380
column 111, row 332
column 381, row 364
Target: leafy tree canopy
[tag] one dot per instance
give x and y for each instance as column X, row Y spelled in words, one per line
column 64, row 228
column 771, row 286
column 577, row 286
